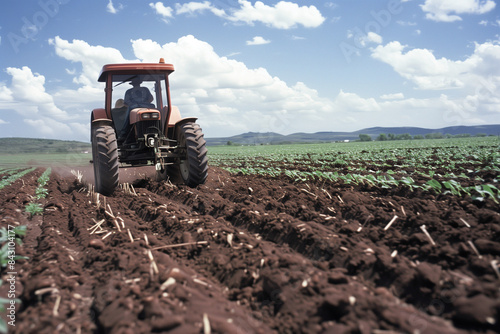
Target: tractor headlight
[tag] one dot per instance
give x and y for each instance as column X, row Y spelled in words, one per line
column 150, row 115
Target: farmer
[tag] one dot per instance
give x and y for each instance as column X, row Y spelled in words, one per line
column 137, row 96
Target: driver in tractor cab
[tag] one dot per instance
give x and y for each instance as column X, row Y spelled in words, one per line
column 135, row 97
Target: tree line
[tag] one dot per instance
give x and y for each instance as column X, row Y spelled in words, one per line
column 407, row 136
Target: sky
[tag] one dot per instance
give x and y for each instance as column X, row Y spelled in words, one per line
column 260, row 66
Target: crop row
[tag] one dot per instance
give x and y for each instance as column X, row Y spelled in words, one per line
column 12, row 175
column 458, row 166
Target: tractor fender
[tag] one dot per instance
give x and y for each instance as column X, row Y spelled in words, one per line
column 175, row 120
column 99, row 113
column 181, row 122
column 98, row 118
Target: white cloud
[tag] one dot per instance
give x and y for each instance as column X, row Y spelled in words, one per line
column 473, row 83
column 450, row 10
column 112, row 9
column 5, row 94
column 3, row 122
column 258, row 97
column 91, row 57
column 191, row 8
column 371, row 37
column 351, row 102
column 283, row 15
column 160, row 9
column 258, row 40
column 427, row 72
column 396, row 96
column 26, row 95
column 230, row 98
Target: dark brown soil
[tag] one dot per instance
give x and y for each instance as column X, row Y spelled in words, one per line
column 249, row 254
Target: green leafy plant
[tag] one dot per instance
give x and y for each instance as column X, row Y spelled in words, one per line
column 19, row 231
column 41, row 192
column 34, row 209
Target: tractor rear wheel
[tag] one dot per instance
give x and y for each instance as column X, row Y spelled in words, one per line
column 193, row 168
column 105, row 157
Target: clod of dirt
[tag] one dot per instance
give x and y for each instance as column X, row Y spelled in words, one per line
column 97, row 243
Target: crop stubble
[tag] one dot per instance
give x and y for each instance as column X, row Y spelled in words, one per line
column 245, row 254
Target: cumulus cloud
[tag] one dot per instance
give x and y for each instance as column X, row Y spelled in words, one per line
column 283, row 15
column 164, row 11
column 450, row 10
column 26, row 95
column 112, row 9
column 428, row 72
column 223, row 91
column 371, row 37
column 230, row 98
column 474, row 81
column 258, row 40
column 191, row 8
column 95, row 57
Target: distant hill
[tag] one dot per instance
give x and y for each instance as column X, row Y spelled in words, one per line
column 34, row 145
column 257, row 138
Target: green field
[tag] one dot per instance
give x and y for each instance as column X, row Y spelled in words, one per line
column 458, row 166
column 45, row 159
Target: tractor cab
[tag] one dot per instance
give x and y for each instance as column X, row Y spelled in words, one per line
column 147, row 130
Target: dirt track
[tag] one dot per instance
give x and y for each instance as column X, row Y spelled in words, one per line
column 254, row 255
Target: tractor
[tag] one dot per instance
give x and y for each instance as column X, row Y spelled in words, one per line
column 140, row 127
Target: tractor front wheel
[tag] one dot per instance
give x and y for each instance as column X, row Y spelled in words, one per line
column 105, row 157
column 193, row 168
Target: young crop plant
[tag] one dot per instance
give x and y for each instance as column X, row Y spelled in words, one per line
column 34, row 209
column 40, row 191
column 13, row 177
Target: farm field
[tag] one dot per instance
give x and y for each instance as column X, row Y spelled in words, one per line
column 378, row 237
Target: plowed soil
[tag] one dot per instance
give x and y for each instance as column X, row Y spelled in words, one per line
column 247, row 254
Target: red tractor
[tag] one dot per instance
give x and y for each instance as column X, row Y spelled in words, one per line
column 139, row 126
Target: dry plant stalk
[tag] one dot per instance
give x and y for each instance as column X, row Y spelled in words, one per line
column 130, row 235
column 403, row 210
column 471, row 244
column 310, row 193
column 154, row 267
column 390, row 223
column 327, row 193
column 107, row 235
column 465, row 222
column 55, row 310
column 96, row 226
column 206, row 324
column 340, row 199
column 427, row 234
column 194, row 243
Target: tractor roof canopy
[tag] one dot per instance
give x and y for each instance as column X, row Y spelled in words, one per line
column 135, row 68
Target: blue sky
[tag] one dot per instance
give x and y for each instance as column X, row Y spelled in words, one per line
column 281, row 66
